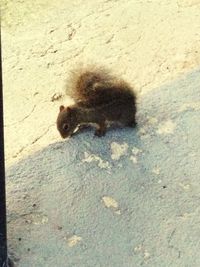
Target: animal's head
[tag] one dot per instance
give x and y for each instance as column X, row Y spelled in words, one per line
column 66, row 121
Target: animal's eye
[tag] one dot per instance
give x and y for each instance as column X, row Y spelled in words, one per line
column 65, row 126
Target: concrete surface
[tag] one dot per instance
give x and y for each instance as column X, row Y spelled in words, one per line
column 146, row 42
column 132, row 197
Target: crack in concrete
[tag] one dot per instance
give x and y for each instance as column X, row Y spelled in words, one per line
column 171, row 236
column 42, row 135
column 22, row 120
column 33, row 142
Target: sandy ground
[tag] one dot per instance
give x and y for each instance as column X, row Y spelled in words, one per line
column 149, row 43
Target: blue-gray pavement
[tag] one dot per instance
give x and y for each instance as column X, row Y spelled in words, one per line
column 129, row 199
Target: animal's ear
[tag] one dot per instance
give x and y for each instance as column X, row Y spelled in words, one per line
column 69, row 109
column 62, row 108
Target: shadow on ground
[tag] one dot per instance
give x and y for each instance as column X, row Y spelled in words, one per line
column 130, row 198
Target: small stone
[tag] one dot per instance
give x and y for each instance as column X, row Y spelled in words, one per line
column 136, row 151
column 186, row 187
column 146, row 255
column 133, row 159
column 118, row 150
column 138, row 248
column 156, row 170
column 73, row 240
column 110, row 202
column 118, row 212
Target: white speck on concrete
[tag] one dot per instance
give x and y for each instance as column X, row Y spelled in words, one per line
column 92, row 157
column 146, row 255
column 118, row 212
column 136, row 151
column 36, row 219
column 156, row 170
column 166, row 127
column 73, row 240
column 186, row 187
column 110, row 202
column 141, row 250
column 118, row 150
column 138, row 248
column 43, row 220
column 133, row 159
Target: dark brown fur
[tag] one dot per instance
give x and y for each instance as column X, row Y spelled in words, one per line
column 100, row 98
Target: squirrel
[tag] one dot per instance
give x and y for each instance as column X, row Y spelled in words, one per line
column 99, row 98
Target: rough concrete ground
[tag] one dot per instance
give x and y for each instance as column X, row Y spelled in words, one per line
column 128, row 199
column 78, row 202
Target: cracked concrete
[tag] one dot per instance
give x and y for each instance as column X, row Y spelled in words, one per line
column 137, row 39
column 59, row 187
